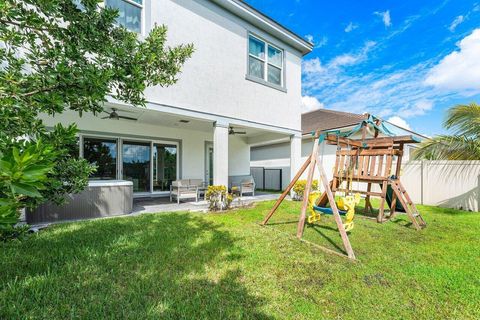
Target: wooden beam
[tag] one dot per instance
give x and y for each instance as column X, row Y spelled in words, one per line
column 392, row 140
column 381, row 208
column 336, row 214
column 308, row 188
column 370, row 152
column 343, row 141
column 373, row 179
column 285, row 193
column 368, row 193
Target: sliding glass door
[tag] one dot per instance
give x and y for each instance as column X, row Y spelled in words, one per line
column 164, row 166
column 136, row 164
column 150, row 165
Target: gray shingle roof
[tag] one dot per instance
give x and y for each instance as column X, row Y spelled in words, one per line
column 323, row 119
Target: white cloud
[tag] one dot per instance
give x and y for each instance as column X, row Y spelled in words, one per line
column 384, row 93
column 322, row 42
column 318, row 44
column 396, row 120
column 460, row 70
column 350, row 27
column 310, row 103
column 385, row 15
column 455, row 23
column 418, row 108
column 312, row 66
column 309, row 38
column 353, row 58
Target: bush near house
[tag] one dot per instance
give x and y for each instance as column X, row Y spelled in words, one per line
column 218, row 198
column 299, row 188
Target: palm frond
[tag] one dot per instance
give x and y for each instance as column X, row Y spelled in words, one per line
column 449, row 148
column 464, row 120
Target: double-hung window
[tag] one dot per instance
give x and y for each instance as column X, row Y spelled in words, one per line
column 129, row 13
column 265, row 61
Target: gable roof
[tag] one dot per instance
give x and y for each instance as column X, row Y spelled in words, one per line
column 245, row 11
column 323, row 119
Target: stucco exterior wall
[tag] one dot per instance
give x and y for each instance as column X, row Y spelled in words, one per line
column 213, row 80
column 277, row 156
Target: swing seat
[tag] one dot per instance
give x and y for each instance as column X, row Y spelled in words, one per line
column 346, row 203
column 328, row 210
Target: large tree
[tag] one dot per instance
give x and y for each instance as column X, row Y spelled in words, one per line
column 59, row 55
column 462, row 144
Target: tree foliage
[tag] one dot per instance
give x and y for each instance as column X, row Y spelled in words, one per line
column 463, row 144
column 59, row 55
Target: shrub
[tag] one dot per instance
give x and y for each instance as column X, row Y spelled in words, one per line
column 299, row 188
column 9, row 232
column 218, row 198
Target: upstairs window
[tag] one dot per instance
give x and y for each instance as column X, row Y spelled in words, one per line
column 129, row 13
column 265, row 61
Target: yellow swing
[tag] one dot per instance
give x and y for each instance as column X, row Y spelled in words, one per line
column 345, row 204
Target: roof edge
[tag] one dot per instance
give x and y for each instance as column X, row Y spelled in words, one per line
column 245, row 11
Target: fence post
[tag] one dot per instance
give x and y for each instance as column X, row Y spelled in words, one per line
column 281, row 182
column 421, row 181
column 478, row 194
column 263, row 179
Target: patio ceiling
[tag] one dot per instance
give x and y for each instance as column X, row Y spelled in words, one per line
column 154, row 117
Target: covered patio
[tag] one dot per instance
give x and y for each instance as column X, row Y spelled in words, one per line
column 163, row 204
column 153, row 147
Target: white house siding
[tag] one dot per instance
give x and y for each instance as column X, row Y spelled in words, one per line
column 213, row 80
column 277, row 156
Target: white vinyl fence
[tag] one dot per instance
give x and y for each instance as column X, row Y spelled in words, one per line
column 451, row 184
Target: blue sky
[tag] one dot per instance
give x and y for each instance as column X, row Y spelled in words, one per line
column 407, row 61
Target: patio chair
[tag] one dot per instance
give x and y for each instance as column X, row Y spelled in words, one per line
column 181, row 189
column 201, row 186
column 242, row 185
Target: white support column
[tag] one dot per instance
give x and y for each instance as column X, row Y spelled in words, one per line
column 220, row 154
column 295, row 154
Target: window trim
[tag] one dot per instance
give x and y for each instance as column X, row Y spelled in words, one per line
column 266, row 62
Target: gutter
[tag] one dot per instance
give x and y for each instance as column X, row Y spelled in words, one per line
column 248, row 13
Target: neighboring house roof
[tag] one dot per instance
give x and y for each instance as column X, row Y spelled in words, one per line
column 245, row 11
column 323, row 119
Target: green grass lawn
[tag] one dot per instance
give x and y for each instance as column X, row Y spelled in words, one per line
column 225, row 266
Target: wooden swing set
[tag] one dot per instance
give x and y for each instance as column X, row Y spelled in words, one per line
column 367, row 161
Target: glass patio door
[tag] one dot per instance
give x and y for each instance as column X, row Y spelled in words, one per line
column 209, row 163
column 164, row 166
column 136, row 165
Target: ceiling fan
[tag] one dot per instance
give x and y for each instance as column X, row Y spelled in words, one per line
column 231, row 131
column 115, row 116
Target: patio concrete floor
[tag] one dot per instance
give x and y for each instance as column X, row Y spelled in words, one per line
column 163, row 204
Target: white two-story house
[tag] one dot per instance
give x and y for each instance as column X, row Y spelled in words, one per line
column 242, row 86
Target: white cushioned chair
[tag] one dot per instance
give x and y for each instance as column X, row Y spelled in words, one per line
column 182, row 189
column 242, row 185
